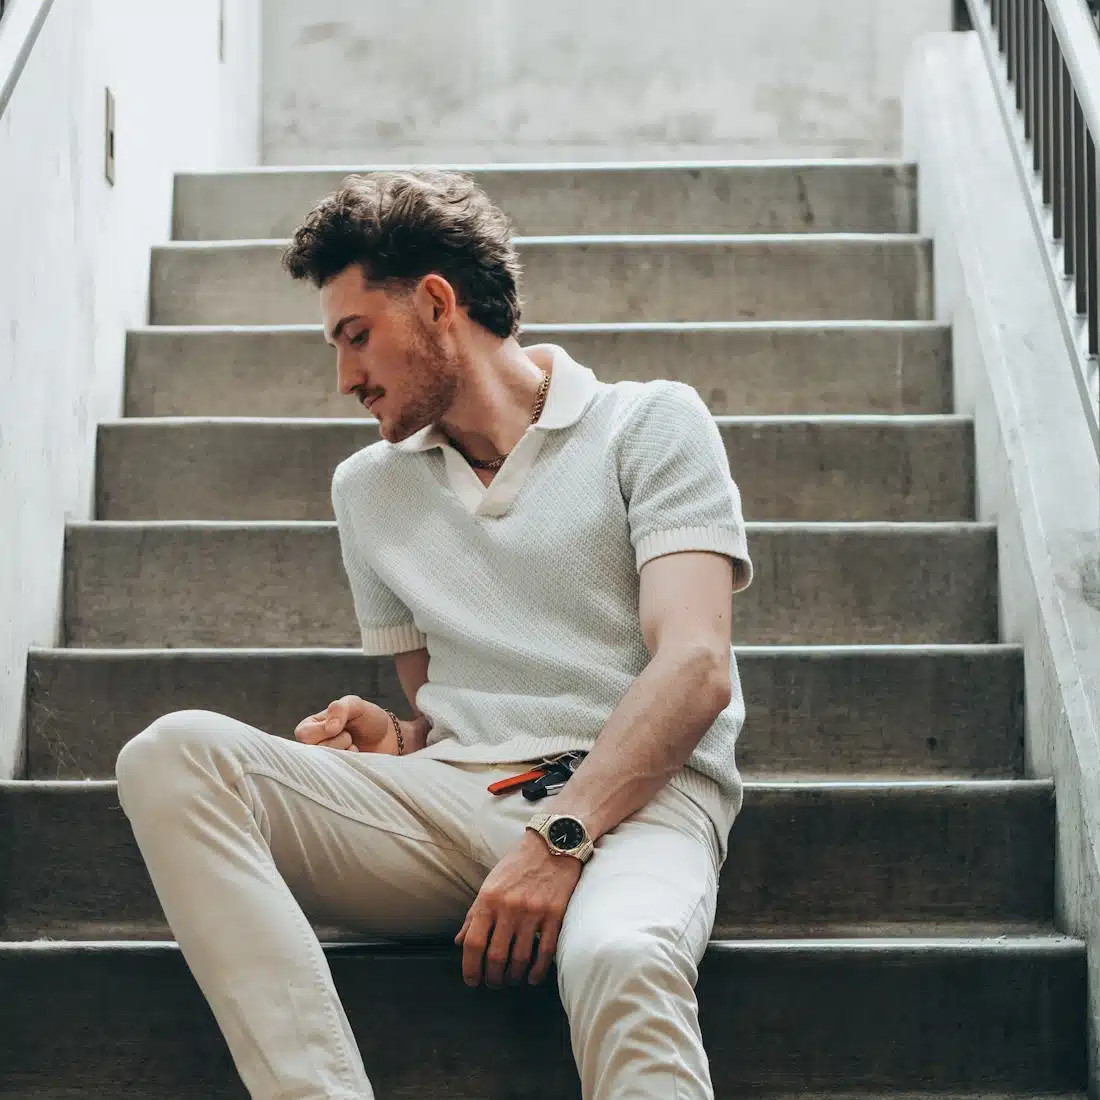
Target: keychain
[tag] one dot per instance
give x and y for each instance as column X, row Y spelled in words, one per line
column 548, row 778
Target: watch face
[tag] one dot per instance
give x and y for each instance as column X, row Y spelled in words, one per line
column 566, row 833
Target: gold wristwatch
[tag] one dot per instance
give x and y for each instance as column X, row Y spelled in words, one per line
column 564, row 835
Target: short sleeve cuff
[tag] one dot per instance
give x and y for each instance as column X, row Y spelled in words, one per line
column 384, row 641
column 720, row 540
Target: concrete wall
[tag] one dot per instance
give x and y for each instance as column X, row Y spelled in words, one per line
column 359, row 81
column 1037, row 471
column 75, row 264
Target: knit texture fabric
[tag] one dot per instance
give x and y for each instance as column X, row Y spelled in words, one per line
column 531, row 617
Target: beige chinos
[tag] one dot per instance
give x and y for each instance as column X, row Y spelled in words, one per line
column 248, row 837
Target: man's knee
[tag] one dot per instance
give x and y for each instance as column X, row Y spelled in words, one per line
column 150, row 759
column 613, row 959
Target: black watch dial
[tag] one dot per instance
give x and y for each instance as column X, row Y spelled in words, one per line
column 566, row 833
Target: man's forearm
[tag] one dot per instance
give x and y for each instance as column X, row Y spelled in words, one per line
column 647, row 739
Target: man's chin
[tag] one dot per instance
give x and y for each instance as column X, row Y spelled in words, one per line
column 399, row 432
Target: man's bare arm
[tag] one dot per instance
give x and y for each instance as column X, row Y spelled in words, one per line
column 685, row 605
column 412, row 671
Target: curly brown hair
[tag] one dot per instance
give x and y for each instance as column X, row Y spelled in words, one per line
column 402, row 225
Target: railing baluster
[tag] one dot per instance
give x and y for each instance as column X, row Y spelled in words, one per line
column 1069, row 209
column 1080, row 218
column 1038, row 84
column 1057, row 194
column 1090, row 280
column 1010, row 40
column 1027, row 66
column 1020, row 39
column 1044, row 145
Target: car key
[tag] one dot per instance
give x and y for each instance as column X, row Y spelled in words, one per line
column 557, row 775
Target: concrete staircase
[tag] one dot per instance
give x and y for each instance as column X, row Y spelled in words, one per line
column 885, row 921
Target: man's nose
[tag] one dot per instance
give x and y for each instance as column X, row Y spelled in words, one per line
column 348, row 374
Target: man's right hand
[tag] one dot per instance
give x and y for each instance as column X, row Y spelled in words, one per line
column 350, row 723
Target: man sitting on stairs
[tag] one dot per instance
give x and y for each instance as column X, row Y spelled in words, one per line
column 563, row 551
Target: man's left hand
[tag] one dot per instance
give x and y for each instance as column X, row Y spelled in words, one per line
column 525, row 894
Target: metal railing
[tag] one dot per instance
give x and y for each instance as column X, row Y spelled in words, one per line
column 19, row 28
column 1044, row 56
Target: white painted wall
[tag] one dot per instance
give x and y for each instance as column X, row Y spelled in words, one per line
column 357, row 81
column 75, row 264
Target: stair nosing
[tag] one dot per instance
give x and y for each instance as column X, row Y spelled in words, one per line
column 581, row 327
column 837, row 526
column 803, row 240
column 959, row 785
column 519, row 166
column 883, row 420
column 806, row 650
column 1051, row 943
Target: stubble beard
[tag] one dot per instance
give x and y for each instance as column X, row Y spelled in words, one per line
column 433, row 375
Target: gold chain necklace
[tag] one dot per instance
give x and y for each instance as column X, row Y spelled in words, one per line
column 540, row 400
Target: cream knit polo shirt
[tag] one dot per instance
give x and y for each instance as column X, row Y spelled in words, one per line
column 525, row 591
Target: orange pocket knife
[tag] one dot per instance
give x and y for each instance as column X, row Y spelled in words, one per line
column 511, row 782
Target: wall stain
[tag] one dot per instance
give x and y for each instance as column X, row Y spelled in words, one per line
column 313, row 33
column 1090, row 582
column 358, row 49
column 805, row 210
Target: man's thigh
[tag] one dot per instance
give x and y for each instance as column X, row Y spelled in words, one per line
column 377, row 842
column 655, row 871
column 653, row 877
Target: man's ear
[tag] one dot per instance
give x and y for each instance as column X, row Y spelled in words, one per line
column 436, row 300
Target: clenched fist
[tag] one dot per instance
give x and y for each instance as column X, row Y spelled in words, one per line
column 350, row 723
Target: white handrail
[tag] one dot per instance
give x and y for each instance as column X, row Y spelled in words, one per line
column 1080, row 43
column 19, row 29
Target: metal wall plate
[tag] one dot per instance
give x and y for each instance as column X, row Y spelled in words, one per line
column 109, row 139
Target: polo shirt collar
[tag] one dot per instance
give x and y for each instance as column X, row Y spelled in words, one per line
column 571, row 390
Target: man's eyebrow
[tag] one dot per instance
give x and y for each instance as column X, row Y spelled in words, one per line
column 340, row 326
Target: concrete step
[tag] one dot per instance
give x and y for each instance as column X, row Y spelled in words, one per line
column 808, row 858
column 778, row 1018
column 178, row 584
column 609, row 278
column 812, row 712
column 762, row 197
column 746, row 368
column 790, row 468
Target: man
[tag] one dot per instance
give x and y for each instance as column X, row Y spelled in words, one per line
column 563, row 552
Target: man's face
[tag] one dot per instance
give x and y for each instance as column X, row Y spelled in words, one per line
column 387, row 355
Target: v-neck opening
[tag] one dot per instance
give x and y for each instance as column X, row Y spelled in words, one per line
column 495, row 498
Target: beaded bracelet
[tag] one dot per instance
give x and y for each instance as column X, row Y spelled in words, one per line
column 400, row 736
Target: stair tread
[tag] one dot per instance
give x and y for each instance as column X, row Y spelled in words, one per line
column 669, row 277
column 736, row 366
column 224, row 582
column 827, row 856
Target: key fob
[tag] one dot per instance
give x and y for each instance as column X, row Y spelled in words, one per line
column 540, row 788
column 550, row 783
